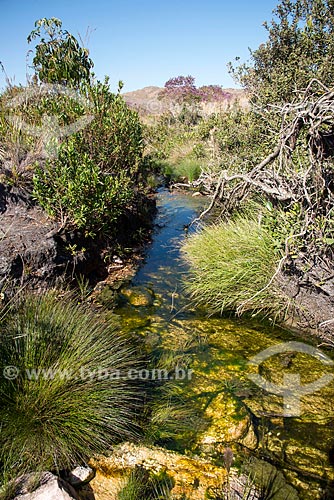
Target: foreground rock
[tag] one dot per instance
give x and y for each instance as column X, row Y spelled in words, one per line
column 80, row 475
column 49, row 487
column 186, row 477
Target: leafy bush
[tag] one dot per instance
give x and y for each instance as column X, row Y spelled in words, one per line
column 75, row 188
column 78, row 406
column 299, row 47
column 231, row 265
column 59, row 57
column 94, row 178
column 114, row 138
column 93, row 175
column 241, row 138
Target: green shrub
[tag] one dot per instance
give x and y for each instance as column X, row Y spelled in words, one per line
column 98, row 170
column 75, row 407
column 74, row 187
column 87, row 178
column 239, row 139
column 114, row 138
column 230, row 263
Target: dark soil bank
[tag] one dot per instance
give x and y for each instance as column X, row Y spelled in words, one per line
column 37, row 252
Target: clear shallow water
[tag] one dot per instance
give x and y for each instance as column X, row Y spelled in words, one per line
column 164, row 269
column 233, row 409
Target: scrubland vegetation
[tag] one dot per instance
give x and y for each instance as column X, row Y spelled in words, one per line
column 70, row 144
column 73, row 148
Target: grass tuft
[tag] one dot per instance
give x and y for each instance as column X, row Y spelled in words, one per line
column 231, row 265
column 51, row 421
column 185, row 169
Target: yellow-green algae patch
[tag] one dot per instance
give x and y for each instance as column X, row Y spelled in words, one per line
column 230, row 410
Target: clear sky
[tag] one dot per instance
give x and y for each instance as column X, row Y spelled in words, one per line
column 143, row 42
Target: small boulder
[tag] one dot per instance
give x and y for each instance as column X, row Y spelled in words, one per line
column 81, row 475
column 49, row 487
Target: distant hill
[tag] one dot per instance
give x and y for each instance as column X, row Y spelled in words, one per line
column 147, row 101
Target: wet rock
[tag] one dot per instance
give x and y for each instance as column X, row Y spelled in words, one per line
column 179, row 476
column 301, row 442
column 138, row 296
column 309, row 489
column 191, row 478
column 308, row 460
column 229, row 424
column 107, row 297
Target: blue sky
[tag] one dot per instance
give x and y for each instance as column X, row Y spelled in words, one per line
column 143, row 42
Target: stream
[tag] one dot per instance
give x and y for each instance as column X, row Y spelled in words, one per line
column 219, row 405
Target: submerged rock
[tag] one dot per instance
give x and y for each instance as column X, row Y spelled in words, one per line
column 138, row 296
column 229, row 424
column 271, row 481
column 108, row 297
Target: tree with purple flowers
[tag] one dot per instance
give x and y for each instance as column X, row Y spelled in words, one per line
column 209, row 93
column 183, row 90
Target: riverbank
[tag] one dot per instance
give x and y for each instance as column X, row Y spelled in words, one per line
column 299, row 288
column 38, row 253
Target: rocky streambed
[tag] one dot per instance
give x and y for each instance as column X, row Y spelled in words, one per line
column 220, row 407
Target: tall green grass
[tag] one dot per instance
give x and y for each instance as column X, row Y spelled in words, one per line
column 186, row 169
column 52, row 421
column 231, row 265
